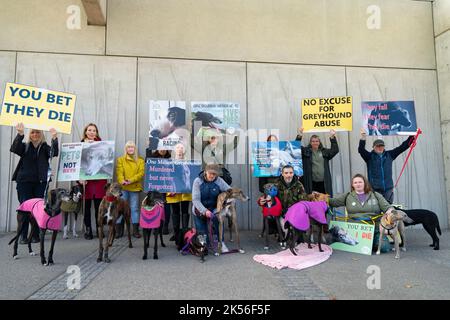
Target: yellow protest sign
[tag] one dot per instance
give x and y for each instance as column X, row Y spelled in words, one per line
column 324, row 114
column 37, row 108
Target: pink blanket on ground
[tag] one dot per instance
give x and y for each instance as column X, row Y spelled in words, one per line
column 36, row 207
column 151, row 219
column 305, row 257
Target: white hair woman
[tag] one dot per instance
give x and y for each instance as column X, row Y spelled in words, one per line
column 129, row 172
column 32, row 170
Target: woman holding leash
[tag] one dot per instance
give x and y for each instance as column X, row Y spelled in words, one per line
column 31, row 173
column 129, row 172
column 205, row 190
column 179, row 202
column 316, row 163
column 94, row 189
column 362, row 203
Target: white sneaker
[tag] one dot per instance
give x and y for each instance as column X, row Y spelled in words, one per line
column 224, row 248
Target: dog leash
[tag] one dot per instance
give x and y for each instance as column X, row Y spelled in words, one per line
column 412, row 146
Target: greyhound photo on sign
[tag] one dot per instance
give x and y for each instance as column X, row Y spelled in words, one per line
column 97, row 160
column 389, row 118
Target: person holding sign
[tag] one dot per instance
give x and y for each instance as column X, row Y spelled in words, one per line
column 129, row 172
column 94, row 189
column 362, row 202
column 316, row 163
column 33, row 168
column 164, row 154
column 205, row 190
column 379, row 164
column 179, row 202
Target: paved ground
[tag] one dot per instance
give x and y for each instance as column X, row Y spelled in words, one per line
column 421, row 273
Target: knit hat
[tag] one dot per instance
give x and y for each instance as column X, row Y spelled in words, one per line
column 214, row 168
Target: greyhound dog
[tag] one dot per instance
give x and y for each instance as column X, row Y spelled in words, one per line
column 45, row 216
column 390, row 224
column 271, row 210
column 304, row 217
column 226, row 207
column 111, row 208
column 73, row 205
column 152, row 218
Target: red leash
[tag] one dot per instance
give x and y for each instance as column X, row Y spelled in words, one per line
column 412, row 146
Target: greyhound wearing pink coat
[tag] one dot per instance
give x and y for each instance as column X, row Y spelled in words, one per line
column 43, row 216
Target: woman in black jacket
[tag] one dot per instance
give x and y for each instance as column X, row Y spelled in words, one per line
column 32, row 170
column 316, row 167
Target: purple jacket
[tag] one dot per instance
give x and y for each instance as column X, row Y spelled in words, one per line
column 299, row 214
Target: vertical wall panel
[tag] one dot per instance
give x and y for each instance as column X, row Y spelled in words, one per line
column 422, row 184
column 7, row 71
column 274, row 98
column 188, row 81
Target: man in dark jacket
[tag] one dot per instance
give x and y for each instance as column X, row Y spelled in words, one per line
column 379, row 164
column 316, row 163
column 290, row 189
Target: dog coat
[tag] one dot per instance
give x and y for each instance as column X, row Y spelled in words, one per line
column 151, row 219
column 36, row 207
column 275, row 210
column 298, row 214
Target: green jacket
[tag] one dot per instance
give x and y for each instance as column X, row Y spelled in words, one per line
column 374, row 204
column 291, row 194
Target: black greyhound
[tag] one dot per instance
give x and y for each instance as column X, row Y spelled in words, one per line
column 45, row 216
column 152, row 218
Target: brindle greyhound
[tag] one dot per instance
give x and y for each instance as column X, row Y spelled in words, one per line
column 111, row 208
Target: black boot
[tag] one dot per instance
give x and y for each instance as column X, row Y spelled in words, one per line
column 88, row 234
column 136, row 233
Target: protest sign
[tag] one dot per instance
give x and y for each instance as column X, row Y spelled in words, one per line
column 324, row 114
column 268, row 158
column 352, row 237
column 166, row 175
column 389, row 118
column 37, row 108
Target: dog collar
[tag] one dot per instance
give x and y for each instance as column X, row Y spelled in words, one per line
column 386, row 228
column 110, row 198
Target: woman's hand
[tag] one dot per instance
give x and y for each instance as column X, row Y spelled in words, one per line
column 300, row 131
column 208, row 214
column 170, row 194
column 20, row 128
column 54, row 133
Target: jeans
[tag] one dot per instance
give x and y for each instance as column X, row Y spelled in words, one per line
column 201, row 226
column 133, row 200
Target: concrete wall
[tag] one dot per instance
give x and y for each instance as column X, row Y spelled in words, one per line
column 274, row 53
column 441, row 11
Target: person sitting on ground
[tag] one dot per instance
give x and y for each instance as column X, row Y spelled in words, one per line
column 362, row 202
column 205, row 190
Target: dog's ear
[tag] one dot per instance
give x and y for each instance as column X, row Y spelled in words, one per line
column 106, row 187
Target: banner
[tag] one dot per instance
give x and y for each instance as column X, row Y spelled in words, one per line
column 166, row 175
column 352, row 237
column 268, row 158
column 214, row 118
column 86, row 161
column 324, row 114
column 37, row 108
column 167, row 124
column 389, row 118
column 70, row 161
